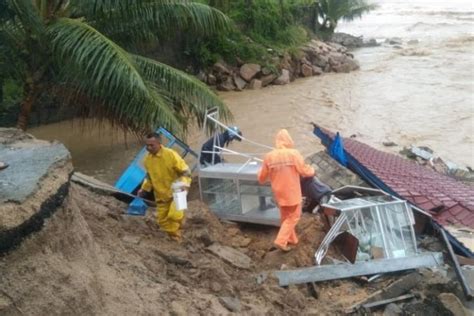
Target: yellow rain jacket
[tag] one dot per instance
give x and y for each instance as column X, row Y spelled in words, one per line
column 163, row 169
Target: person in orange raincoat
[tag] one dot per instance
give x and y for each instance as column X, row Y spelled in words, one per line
column 284, row 166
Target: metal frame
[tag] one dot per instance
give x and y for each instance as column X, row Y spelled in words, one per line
column 378, row 209
column 236, row 172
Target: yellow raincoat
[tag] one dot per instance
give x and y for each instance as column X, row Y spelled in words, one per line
column 163, row 169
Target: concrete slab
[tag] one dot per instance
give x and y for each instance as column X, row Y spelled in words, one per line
column 29, row 162
column 231, row 255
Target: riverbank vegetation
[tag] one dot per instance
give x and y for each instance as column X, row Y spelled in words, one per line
column 84, row 53
column 265, row 28
column 101, row 58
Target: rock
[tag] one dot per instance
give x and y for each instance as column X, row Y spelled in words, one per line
column 338, row 48
column 231, row 255
column 452, row 303
column 370, row 43
column 389, row 144
column 321, row 61
column 131, row 239
column 261, row 278
column 305, row 61
column 317, row 71
column 202, row 76
column 306, row 70
column 255, row 84
column 226, row 85
column 211, row 80
column 392, row 310
column 284, row 78
column 266, row 80
column 397, row 47
column 285, row 63
column 347, row 40
column 266, row 71
column 240, row 83
column 248, row 71
column 394, row 41
column 221, row 68
column 232, row 304
column 413, row 42
column 422, row 152
column 177, row 309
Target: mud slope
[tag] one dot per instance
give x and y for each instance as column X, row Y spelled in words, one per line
column 90, row 259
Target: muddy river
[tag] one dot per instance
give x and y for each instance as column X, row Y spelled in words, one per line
column 420, row 92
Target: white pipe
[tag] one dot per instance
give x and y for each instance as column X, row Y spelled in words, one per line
column 241, row 137
column 240, row 154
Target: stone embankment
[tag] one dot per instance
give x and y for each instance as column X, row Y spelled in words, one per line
column 313, row 59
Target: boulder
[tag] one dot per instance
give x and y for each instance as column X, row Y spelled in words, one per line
column 266, row 71
column 321, row 60
column 337, row 47
column 394, row 41
column 221, row 68
column 255, row 84
column 285, row 62
column 266, row 80
column 305, row 61
column 202, row 76
column 370, row 43
column 211, row 80
column 226, row 85
column 240, row 83
column 249, row 71
column 347, row 40
column 317, row 71
column 284, row 78
column 306, row 70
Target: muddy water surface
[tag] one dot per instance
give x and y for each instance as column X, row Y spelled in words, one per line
column 419, row 92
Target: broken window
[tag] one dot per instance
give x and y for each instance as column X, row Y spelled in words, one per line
column 374, row 226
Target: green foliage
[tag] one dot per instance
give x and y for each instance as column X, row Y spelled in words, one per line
column 263, row 28
column 77, row 51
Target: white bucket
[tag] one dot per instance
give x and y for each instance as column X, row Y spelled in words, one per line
column 180, row 201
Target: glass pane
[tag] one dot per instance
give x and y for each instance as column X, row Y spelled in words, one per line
column 221, row 195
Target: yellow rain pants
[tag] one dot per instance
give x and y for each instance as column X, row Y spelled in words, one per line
column 163, row 169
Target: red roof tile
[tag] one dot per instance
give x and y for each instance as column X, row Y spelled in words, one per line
column 420, row 185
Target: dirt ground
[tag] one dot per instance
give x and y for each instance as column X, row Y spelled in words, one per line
column 90, row 259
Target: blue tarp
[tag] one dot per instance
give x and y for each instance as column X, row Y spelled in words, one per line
column 337, row 150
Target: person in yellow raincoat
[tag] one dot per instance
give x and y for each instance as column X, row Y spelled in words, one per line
column 165, row 167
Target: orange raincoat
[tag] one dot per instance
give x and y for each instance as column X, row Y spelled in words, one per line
column 284, row 166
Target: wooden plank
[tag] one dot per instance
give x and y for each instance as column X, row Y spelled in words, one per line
column 457, row 268
column 341, row 271
column 385, row 302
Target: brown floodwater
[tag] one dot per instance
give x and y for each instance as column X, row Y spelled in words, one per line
column 420, row 92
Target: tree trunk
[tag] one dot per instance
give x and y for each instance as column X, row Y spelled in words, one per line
column 31, row 94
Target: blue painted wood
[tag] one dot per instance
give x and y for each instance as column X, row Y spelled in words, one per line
column 133, row 176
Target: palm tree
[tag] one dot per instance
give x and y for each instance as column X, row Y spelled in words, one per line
column 331, row 11
column 84, row 53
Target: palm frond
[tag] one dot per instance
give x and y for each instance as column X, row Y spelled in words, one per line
column 102, row 70
column 141, row 19
column 193, row 96
column 28, row 15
